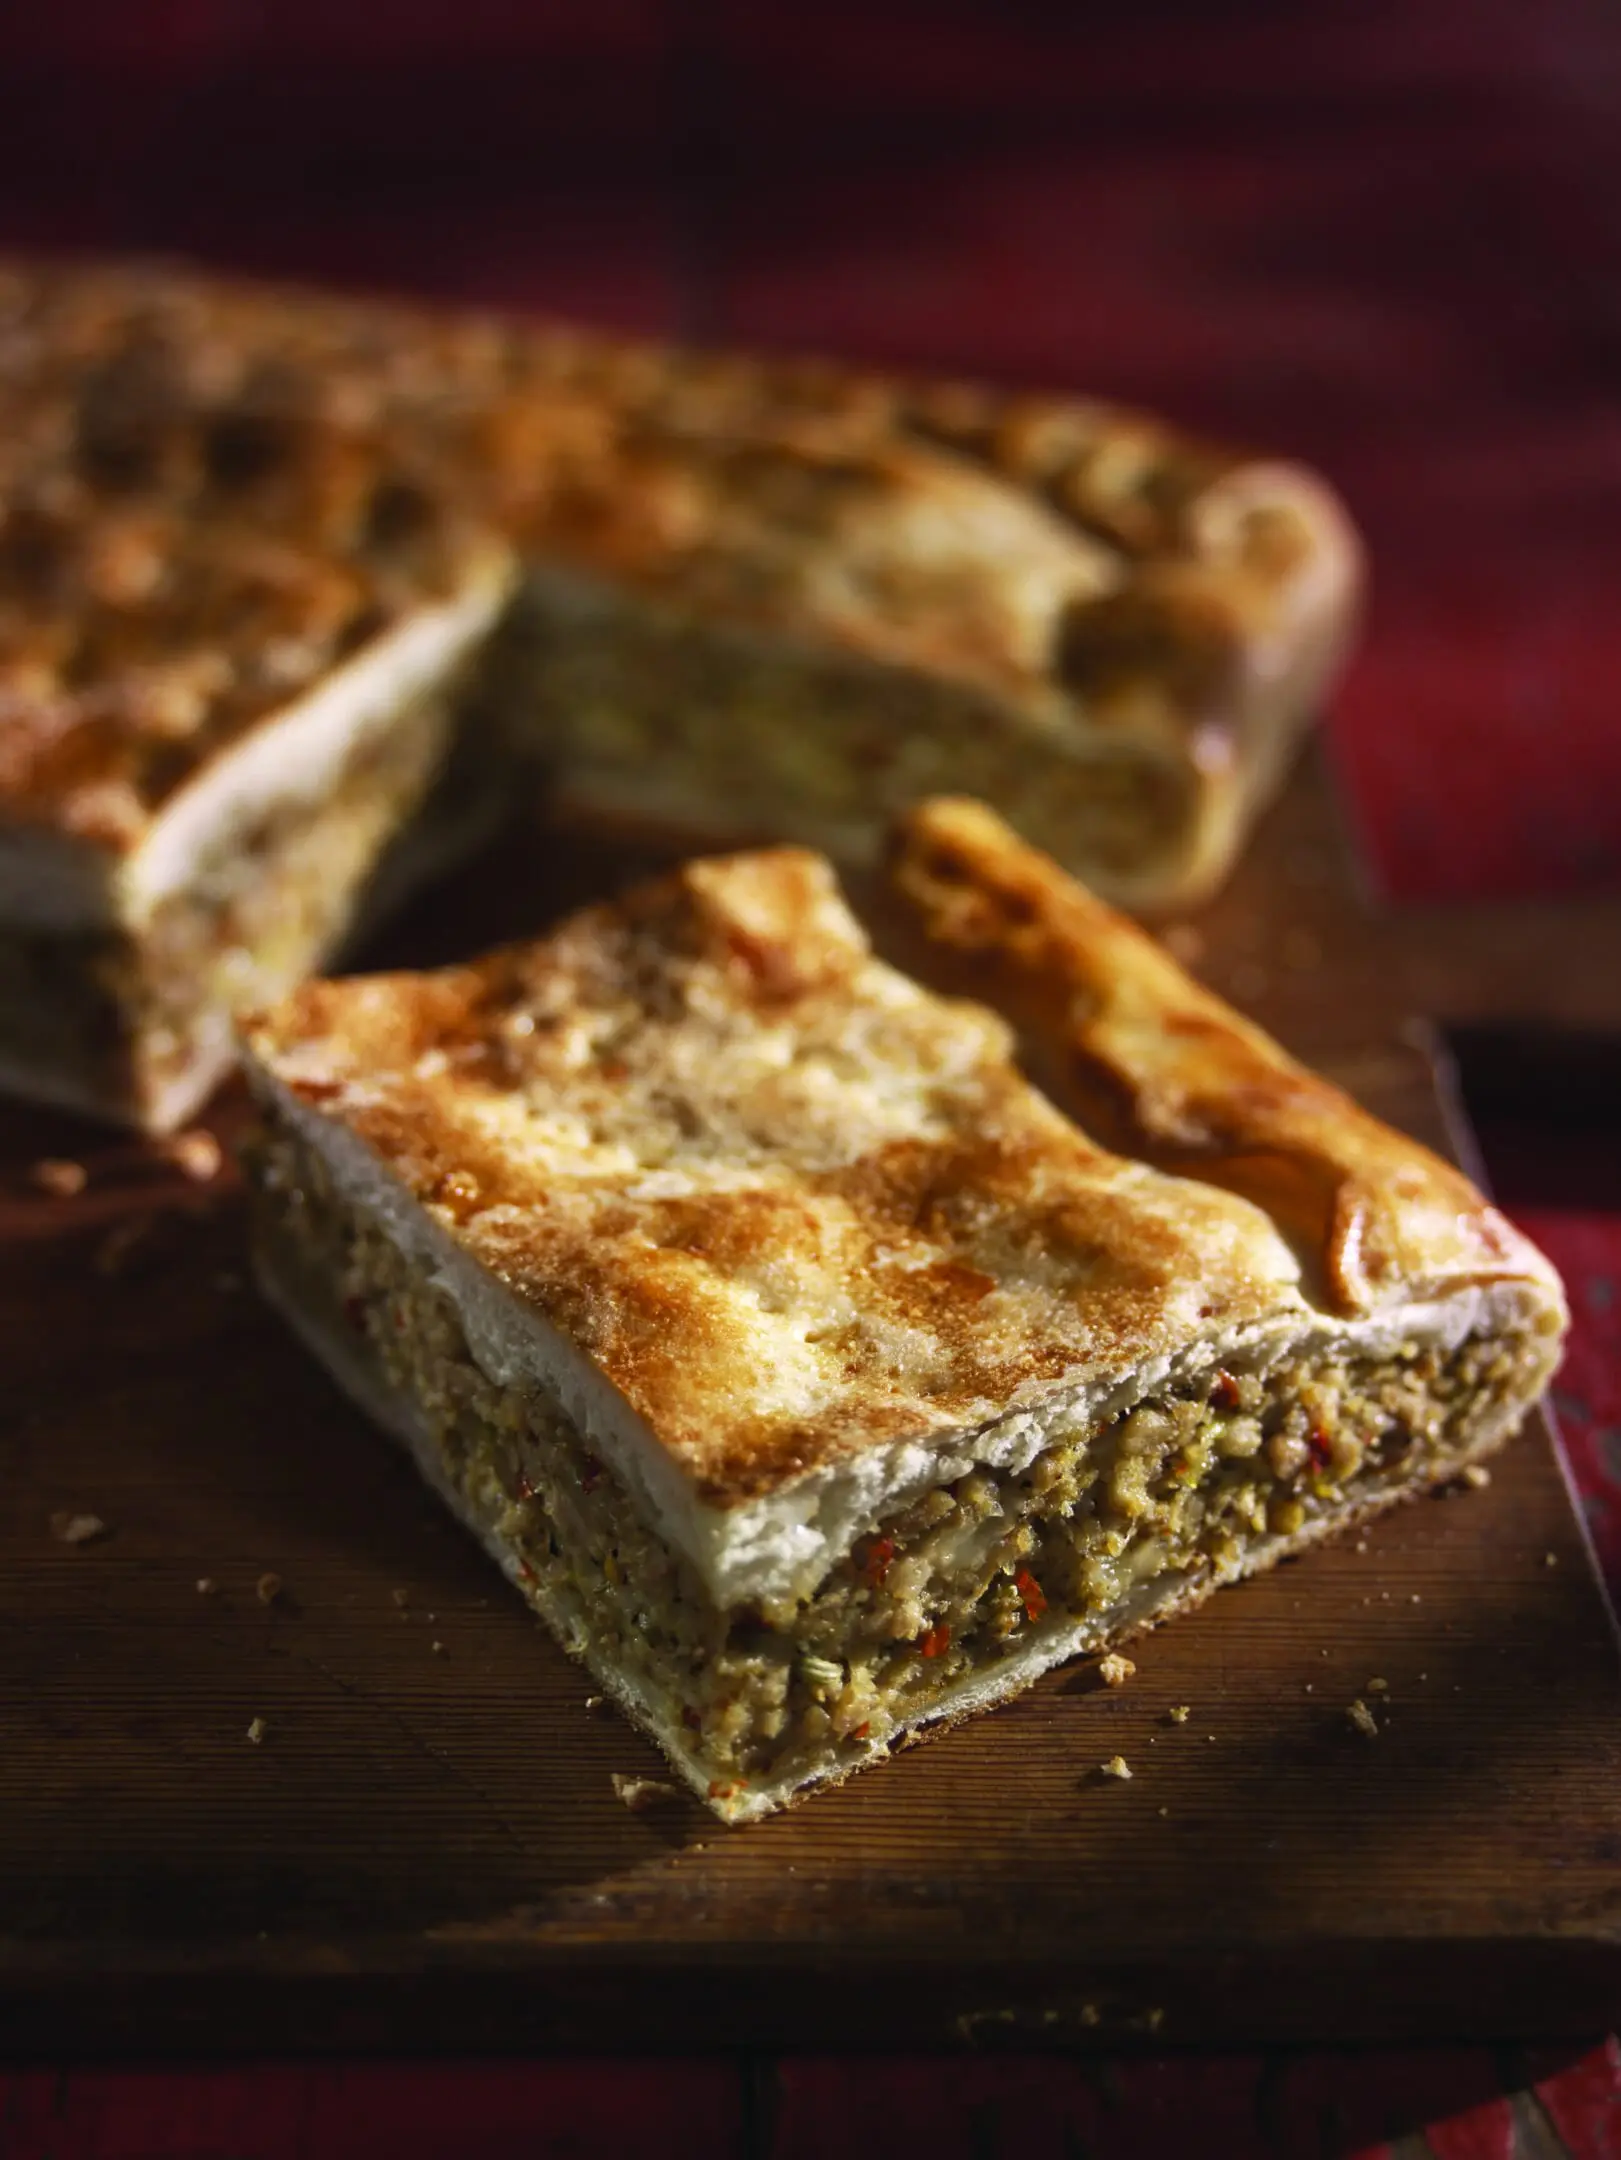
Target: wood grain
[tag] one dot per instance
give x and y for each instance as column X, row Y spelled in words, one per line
column 425, row 1851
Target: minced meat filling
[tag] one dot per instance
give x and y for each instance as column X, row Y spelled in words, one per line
column 613, row 687
column 120, row 1010
column 943, row 1589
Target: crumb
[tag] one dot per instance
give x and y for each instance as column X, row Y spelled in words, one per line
column 58, row 1177
column 206, row 1586
column 1154, row 2019
column 1423, row 1676
column 1361, row 1544
column 1415, row 1599
column 1179, row 1713
column 1476, row 1474
column 71, row 1529
column 257, row 1731
column 1378, row 1687
column 267, row 1589
column 1183, row 942
column 1090, row 2014
column 122, row 1244
column 1308, row 1687
column 1210, row 1736
column 1116, row 1767
column 596, row 1702
column 436, row 1649
column 401, row 1598
column 432, row 1617
column 1115, row 1670
column 1362, row 1718
column 195, row 1154
column 1550, row 1559
column 1165, row 1811
column 641, row 1793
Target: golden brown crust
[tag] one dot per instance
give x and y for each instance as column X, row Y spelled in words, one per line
column 790, row 1204
column 1161, row 1068
column 210, row 497
column 211, row 493
column 793, row 1206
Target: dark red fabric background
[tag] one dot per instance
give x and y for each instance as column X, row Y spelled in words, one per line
column 1384, row 236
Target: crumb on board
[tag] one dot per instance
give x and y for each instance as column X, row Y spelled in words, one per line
column 206, row 1586
column 1378, row 1687
column 1550, row 1559
column 1165, row 1811
column 1116, row 1767
column 596, row 1702
column 436, row 1649
column 1115, row 1670
column 1179, row 1713
column 122, row 1245
column 268, row 1588
column 1361, row 1544
column 1476, row 1474
column 1362, row 1719
column 59, row 1176
column 257, row 1731
column 69, row 1527
column 196, row 1154
column 402, row 1598
column 641, row 1793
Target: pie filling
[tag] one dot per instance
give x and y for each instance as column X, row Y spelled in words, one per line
column 120, row 1017
column 646, row 709
column 1170, row 1493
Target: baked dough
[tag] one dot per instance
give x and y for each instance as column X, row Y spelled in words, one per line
column 813, row 1374
column 252, row 540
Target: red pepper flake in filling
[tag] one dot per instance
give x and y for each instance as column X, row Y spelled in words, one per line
column 862, row 1731
column 1035, row 1598
column 526, row 1571
column 1319, row 1447
column 726, row 1788
column 1224, row 1395
column 935, row 1641
column 876, row 1564
column 525, row 1491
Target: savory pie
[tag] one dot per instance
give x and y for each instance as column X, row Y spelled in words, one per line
column 251, row 540
column 814, row 1376
column 237, row 596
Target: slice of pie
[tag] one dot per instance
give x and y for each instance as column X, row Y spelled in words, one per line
column 239, row 590
column 809, row 1371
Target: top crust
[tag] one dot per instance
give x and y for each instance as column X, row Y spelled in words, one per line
column 1163, row 1069
column 211, row 498
column 793, row 1208
column 211, row 495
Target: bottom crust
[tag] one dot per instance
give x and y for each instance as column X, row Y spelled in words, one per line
column 1168, row 1594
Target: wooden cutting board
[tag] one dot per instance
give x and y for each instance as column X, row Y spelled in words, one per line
column 424, row 1850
